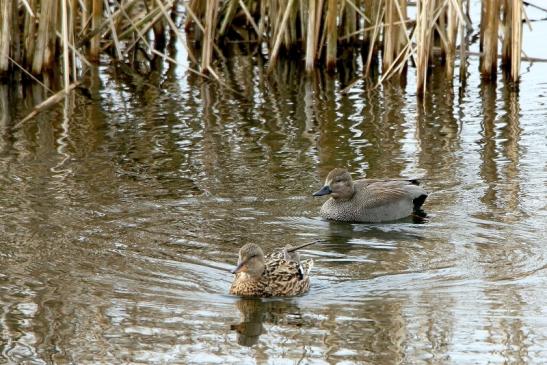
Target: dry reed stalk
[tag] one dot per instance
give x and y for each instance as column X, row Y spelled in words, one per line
column 398, row 65
column 96, row 18
column 76, row 54
column 490, row 11
column 159, row 34
column 262, row 22
column 439, row 36
column 64, row 32
column 202, row 28
column 175, row 29
column 16, row 49
column 332, row 34
column 6, row 11
column 228, row 16
column 272, row 19
column 389, row 36
column 349, row 20
column 195, row 18
column 516, row 44
column 311, row 37
column 211, row 13
column 173, row 61
column 352, row 18
column 323, row 39
column 277, row 10
column 250, row 19
column 291, row 33
column 71, row 31
column 44, row 50
column 279, row 37
column 451, row 36
column 197, row 8
column 85, row 17
column 463, row 46
column 29, row 36
column 424, row 25
column 52, row 100
column 453, row 12
column 31, row 76
column 87, row 20
column 117, row 44
column 394, row 33
column 141, row 27
column 318, row 21
column 372, row 49
column 512, row 39
column 371, row 19
column 409, row 23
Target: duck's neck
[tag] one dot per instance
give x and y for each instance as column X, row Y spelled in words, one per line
column 347, row 194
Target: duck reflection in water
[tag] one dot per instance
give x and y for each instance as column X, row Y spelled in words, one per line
column 255, row 312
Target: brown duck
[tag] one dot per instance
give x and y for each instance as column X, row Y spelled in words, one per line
column 277, row 274
column 369, row 200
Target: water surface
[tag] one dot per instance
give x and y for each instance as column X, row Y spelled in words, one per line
column 121, row 216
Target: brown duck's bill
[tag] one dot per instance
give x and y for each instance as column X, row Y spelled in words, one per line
column 325, row 190
column 239, row 268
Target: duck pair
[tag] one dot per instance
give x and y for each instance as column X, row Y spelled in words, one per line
column 365, row 200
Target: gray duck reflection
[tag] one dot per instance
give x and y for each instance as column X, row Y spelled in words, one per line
column 255, row 312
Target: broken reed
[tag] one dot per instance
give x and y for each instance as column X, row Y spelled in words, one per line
column 34, row 34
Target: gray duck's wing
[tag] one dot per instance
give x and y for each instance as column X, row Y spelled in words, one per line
column 389, row 180
column 382, row 193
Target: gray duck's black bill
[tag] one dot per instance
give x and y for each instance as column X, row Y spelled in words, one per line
column 325, row 190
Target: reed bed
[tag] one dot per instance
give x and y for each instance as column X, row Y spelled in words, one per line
column 40, row 36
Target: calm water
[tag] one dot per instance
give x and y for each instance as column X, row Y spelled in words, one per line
column 121, row 214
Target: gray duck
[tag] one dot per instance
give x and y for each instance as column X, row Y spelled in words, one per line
column 369, row 200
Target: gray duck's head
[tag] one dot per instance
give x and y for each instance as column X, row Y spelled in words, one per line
column 338, row 184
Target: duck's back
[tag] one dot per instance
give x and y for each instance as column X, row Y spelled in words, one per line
column 280, row 278
column 375, row 201
column 287, row 277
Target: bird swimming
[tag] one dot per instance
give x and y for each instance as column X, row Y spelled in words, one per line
column 369, row 200
column 280, row 273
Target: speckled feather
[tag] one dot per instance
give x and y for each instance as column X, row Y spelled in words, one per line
column 371, row 200
column 281, row 277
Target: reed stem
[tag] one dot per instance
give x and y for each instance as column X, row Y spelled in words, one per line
column 490, row 11
column 6, row 10
column 332, row 34
column 394, row 33
column 311, row 37
column 64, row 32
column 211, row 12
column 321, row 30
column 512, row 38
column 96, row 19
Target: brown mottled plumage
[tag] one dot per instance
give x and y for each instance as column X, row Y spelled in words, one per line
column 278, row 274
column 369, row 200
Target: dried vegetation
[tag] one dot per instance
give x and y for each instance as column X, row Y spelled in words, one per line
column 41, row 36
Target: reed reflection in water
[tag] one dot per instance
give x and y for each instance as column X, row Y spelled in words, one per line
column 122, row 214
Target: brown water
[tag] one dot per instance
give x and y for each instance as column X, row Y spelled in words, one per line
column 121, row 215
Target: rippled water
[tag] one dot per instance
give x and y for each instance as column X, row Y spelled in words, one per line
column 121, row 216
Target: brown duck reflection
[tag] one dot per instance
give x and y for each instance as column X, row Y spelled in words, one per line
column 255, row 312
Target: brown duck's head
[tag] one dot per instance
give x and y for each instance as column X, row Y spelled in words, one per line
column 251, row 260
column 338, row 183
